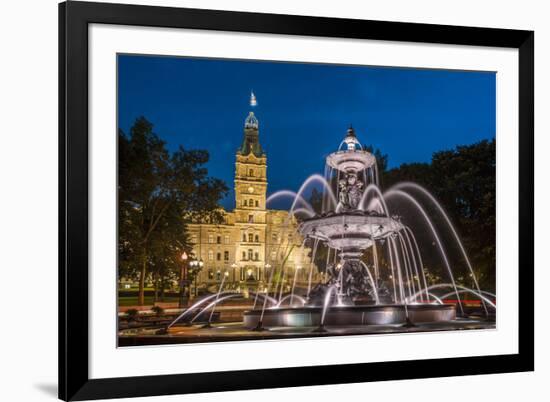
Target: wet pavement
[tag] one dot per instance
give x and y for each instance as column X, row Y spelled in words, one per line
column 220, row 332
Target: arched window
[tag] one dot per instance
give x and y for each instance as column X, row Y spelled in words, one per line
column 245, row 203
column 256, row 256
column 257, row 239
column 250, row 254
column 251, row 172
column 250, row 237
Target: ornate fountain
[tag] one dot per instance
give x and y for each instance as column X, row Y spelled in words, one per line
column 355, row 292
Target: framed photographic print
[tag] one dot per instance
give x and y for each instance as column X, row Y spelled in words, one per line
column 257, row 201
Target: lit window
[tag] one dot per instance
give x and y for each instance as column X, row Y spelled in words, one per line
column 273, row 255
column 274, row 237
column 226, row 239
column 210, row 239
column 194, row 238
column 210, row 255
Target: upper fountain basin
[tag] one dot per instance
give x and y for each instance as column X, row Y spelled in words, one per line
column 351, row 160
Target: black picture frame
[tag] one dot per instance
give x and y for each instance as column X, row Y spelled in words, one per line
column 74, row 18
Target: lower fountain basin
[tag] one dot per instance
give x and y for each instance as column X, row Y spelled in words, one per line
column 389, row 314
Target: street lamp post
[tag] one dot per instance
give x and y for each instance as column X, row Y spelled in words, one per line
column 193, row 264
column 267, row 270
column 234, row 266
column 183, row 278
column 196, row 267
column 201, row 264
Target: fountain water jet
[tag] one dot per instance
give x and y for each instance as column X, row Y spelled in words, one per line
column 449, row 223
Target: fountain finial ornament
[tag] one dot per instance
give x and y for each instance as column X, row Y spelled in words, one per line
column 351, row 139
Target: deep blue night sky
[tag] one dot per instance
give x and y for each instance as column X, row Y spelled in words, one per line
column 304, row 110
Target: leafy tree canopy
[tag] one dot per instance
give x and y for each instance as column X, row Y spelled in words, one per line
column 158, row 193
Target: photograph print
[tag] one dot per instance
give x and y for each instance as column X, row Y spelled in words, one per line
column 272, row 200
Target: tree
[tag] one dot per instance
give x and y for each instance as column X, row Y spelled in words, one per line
column 420, row 173
column 464, row 181
column 381, row 159
column 158, row 193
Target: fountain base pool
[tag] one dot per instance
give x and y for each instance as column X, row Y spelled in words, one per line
column 390, row 314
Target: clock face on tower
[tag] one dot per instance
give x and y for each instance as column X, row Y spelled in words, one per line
column 250, row 189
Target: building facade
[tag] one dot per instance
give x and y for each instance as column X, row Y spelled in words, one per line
column 253, row 242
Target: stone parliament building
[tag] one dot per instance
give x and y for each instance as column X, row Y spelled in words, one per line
column 252, row 240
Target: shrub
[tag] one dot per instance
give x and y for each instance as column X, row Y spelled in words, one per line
column 132, row 314
column 157, row 310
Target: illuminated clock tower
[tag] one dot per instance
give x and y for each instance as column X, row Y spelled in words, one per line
column 250, row 199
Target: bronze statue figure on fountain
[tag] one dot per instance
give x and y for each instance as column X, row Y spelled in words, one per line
column 350, row 192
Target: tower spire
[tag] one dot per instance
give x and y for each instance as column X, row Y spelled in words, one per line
column 253, row 101
column 251, row 142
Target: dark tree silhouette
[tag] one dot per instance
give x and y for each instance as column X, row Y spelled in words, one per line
column 158, row 192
